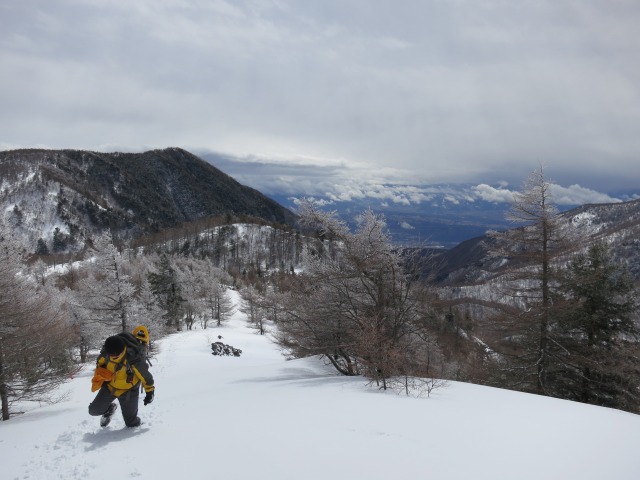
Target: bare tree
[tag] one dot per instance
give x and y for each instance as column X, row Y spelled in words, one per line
column 217, row 300
column 211, row 293
column 35, row 336
column 190, row 281
column 252, row 306
column 540, row 239
column 354, row 303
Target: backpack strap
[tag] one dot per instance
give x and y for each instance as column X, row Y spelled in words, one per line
column 129, row 373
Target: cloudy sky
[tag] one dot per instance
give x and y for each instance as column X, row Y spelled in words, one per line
column 335, row 91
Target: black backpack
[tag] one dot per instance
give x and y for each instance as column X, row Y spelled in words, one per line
column 136, row 350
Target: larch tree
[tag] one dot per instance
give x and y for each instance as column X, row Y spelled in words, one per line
column 251, row 305
column 354, row 303
column 539, row 239
column 215, row 296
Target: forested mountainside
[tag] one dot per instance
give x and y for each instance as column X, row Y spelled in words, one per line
column 618, row 224
column 59, row 197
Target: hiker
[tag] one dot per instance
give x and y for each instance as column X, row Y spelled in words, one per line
column 120, row 370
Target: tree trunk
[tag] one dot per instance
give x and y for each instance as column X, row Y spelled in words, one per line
column 121, row 305
column 346, row 369
column 4, row 394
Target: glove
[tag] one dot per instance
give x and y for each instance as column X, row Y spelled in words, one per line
column 148, row 398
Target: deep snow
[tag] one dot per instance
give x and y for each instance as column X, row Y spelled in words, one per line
column 259, row 416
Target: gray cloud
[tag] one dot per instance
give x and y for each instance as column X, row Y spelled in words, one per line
column 343, row 183
column 415, row 91
column 578, row 195
column 571, row 195
column 493, row 194
column 406, row 226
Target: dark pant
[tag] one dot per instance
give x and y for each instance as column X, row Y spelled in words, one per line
column 128, row 403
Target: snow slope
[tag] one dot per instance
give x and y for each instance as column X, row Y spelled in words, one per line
column 260, row 416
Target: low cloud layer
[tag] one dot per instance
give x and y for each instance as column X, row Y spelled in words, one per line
column 341, row 183
column 572, row 195
column 415, row 92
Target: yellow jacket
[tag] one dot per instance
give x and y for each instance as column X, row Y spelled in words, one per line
column 122, row 373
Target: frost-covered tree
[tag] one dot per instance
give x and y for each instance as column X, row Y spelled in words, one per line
column 188, row 289
column 145, row 309
column 35, row 336
column 540, row 239
column 252, row 308
column 106, row 293
column 191, row 306
column 214, row 293
column 354, row 304
column 39, row 271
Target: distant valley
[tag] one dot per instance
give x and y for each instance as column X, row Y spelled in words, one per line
column 439, row 223
column 434, row 215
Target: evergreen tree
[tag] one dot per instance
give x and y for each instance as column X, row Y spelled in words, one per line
column 18, row 216
column 599, row 333
column 59, row 240
column 168, row 292
column 41, row 248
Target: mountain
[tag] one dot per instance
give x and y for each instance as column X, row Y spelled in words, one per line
column 63, row 196
column 618, row 224
column 260, row 416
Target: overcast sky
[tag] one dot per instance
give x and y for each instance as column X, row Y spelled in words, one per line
column 402, row 91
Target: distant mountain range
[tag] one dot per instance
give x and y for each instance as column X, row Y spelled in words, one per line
column 56, row 199
column 436, row 215
column 617, row 224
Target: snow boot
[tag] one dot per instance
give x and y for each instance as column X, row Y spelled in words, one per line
column 136, row 423
column 106, row 417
